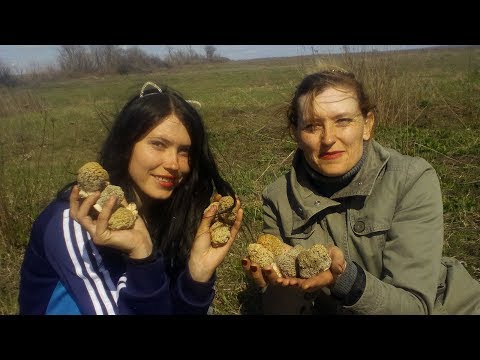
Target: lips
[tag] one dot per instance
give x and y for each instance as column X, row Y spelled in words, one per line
column 166, row 181
column 331, row 155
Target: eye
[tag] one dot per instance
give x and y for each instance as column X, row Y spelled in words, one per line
column 343, row 121
column 184, row 151
column 158, row 144
column 311, row 128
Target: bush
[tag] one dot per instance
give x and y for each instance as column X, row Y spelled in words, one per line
column 7, row 78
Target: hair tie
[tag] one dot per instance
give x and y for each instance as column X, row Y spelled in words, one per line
column 151, row 84
column 195, row 102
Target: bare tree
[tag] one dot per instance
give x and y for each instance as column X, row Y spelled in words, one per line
column 105, row 57
column 183, row 56
column 75, row 59
column 7, row 77
column 210, row 51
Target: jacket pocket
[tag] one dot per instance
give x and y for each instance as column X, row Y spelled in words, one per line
column 362, row 226
column 368, row 234
column 369, row 240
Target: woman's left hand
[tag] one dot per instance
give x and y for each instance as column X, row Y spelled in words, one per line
column 204, row 258
column 325, row 278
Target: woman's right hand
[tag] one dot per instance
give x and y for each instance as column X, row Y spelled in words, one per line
column 136, row 243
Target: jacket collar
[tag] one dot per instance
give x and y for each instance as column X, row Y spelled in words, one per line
column 307, row 202
column 362, row 183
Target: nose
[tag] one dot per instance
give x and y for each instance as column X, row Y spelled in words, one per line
column 328, row 136
column 171, row 160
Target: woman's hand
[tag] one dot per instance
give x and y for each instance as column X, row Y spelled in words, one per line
column 267, row 276
column 257, row 274
column 135, row 242
column 204, row 258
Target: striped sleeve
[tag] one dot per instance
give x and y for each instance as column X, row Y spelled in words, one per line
column 81, row 269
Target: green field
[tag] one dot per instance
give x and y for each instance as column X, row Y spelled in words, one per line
column 428, row 105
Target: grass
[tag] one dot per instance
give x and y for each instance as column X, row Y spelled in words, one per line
column 428, row 103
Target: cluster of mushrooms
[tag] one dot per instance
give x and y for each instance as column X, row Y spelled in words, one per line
column 92, row 177
column 224, row 219
column 286, row 260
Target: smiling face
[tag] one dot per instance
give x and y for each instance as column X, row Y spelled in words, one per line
column 160, row 159
column 332, row 137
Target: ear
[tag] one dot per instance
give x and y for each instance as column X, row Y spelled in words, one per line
column 368, row 127
column 295, row 135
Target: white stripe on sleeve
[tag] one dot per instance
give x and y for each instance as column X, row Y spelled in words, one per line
column 90, row 270
column 103, row 270
column 76, row 263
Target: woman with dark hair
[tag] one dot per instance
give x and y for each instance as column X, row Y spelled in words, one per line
column 157, row 152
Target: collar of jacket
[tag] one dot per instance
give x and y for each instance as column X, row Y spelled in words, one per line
column 308, row 202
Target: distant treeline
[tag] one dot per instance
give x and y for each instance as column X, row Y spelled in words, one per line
column 78, row 60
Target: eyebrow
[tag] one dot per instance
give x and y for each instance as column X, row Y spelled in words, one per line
column 337, row 116
column 168, row 141
column 159, row 137
column 346, row 114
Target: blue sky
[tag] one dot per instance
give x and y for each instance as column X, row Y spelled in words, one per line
column 26, row 56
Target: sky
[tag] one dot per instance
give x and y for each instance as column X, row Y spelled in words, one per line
column 24, row 57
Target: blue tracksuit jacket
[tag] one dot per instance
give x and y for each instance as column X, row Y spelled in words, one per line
column 64, row 272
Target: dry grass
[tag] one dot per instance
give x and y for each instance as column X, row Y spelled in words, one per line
column 428, row 105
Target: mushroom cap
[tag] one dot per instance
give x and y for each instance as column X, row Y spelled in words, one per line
column 287, row 264
column 276, row 269
column 294, row 251
column 122, row 219
column 220, row 234
column 223, row 214
column 260, row 255
column 225, row 203
column 105, row 195
column 313, row 261
column 273, row 243
column 92, row 177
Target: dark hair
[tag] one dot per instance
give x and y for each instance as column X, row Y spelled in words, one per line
column 172, row 223
column 315, row 83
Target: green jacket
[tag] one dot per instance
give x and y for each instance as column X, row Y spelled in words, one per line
column 389, row 220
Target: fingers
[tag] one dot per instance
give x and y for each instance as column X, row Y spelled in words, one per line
column 104, row 216
column 289, row 282
column 314, row 283
column 246, row 264
column 257, row 275
column 254, row 272
column 338, row 260
column 140, row 225
column 207, row 219
column 217, row 197
column 269, row 275
column 74, row 202
column 82, row 212
column 234, row 230
column 307, row 285
column 237, row 203
column 87, row 204
column 236, row 225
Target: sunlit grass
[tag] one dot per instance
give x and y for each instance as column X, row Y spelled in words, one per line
column 428, row 106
